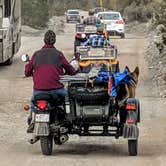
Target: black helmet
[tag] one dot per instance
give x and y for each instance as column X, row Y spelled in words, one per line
column 50, row 37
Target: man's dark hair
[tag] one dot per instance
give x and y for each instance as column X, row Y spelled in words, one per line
column 50, row 37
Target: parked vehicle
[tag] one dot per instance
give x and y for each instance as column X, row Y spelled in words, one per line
column 10, row 29
column 114, row 22
column 73, row 15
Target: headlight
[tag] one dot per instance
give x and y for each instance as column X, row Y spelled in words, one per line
column 83, row 36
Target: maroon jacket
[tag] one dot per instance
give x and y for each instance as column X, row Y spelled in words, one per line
column 46, row 66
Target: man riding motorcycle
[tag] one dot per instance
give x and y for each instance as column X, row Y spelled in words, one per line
column 46, row 66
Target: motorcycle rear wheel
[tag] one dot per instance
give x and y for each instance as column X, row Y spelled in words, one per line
column 133, row 147
column 46, row 145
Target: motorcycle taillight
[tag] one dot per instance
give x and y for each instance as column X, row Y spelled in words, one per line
column 78, row 36
column 130, row 107
column 41, row 104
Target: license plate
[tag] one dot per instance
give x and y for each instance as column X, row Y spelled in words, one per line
column 42, row 118
column 109, row 27
column 93, row 112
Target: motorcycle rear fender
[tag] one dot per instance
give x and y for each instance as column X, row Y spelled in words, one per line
column 42, row 129
column 136, row 114
column 130, row 130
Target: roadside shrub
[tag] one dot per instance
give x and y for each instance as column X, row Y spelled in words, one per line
column 139, row 11
column 159, row 16
column 35, row 13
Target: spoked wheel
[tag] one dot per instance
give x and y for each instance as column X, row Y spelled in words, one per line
column 133, row 147
column 46, row 145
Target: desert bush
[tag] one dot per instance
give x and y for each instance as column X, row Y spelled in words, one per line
column 35, row 13
column 140, row 11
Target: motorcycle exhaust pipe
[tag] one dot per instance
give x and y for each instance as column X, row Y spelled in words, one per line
column 64, row 138
column 33, row 140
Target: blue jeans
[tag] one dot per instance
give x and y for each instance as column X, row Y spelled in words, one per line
column 60, row 92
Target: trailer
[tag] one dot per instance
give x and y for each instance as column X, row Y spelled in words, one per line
column 10, row 30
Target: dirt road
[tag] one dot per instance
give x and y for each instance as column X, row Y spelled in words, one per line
column 16, row 91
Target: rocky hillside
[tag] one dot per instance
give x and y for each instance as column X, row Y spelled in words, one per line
column 156, row 52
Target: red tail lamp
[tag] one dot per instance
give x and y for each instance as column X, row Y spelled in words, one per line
column 119, row 22
column 41, row 104
column 130, row 106
column 78, row 35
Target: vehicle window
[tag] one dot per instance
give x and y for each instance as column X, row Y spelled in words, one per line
column 73, row 12
column 7, row 4
column 110, row 16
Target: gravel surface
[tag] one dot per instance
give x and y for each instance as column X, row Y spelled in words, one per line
column 88, row 151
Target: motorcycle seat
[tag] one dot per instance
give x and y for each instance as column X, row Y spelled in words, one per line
column 48, row 97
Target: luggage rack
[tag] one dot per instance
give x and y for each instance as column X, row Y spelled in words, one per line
column 82, row 28
column 90, row 53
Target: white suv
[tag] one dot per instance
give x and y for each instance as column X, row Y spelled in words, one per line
column 113, row 21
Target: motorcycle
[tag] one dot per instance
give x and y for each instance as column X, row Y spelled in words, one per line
column 88, row 106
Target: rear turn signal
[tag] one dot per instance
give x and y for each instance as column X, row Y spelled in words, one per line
column 41, row 104
column 130, row 106
column 78, row 36
column 26, row 107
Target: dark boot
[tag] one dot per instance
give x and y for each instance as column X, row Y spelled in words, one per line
column 29, row 120
column 31, row 128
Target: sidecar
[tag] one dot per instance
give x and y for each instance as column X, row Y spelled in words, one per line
column 91, row 111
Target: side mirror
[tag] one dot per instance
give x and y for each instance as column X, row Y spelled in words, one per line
column 25, row 58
